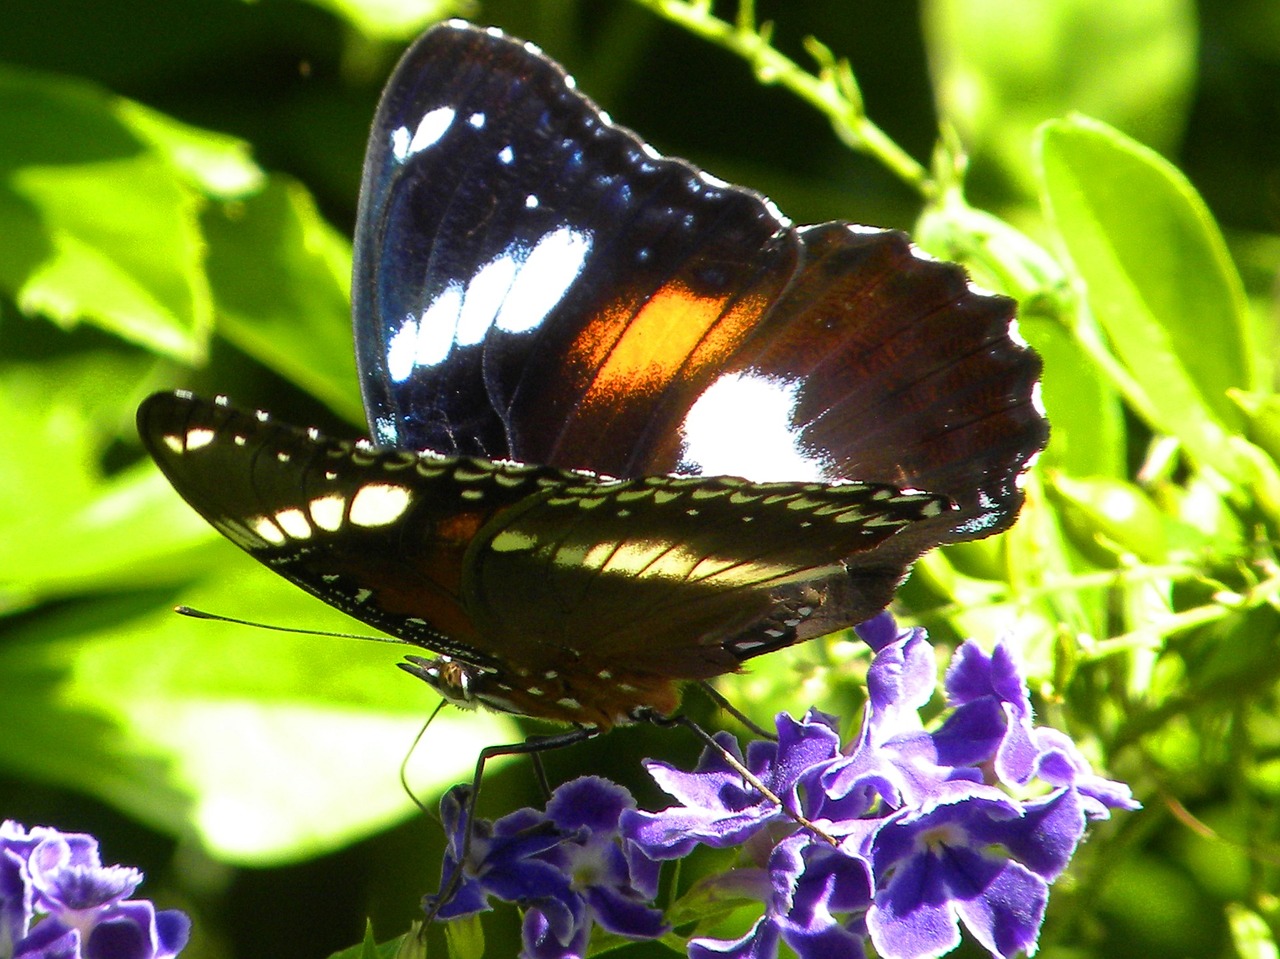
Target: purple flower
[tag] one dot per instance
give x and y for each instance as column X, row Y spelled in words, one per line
column 569, row 866
column 955, row 863
column 931, row 834
column 57, row 901
column 916, row 831
column 977, row 682
column 502, row 859
column 716, row 808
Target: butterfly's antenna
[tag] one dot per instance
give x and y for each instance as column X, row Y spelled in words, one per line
column 747, row 775
column 404, row 763
column 718, row 698
column 219, row 618
column 530, row 747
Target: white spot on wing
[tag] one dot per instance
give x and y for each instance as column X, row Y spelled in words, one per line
column 425, row 341
column 379, row 504
column 433, row 125
column 294, row 523
column 513, row 291
column 543, row 279
column 326, row 511
column 742, row 402
column 199, row 436
column 485, row 293
column 266, row 529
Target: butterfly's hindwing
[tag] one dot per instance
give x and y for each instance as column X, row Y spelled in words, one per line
column 674, row 575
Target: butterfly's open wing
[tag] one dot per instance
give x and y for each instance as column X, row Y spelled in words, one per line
column 509, row 234
column 535, row 282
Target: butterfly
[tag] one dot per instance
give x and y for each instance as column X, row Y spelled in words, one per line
column 630, row 426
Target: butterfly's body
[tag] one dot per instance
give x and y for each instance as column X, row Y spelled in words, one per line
column 730, row 417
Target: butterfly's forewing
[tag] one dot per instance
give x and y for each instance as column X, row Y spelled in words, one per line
column 381, row 536
column 527, row 273
column 533, row 281
column 581, row 598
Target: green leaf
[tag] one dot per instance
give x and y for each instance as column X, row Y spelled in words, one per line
column 1123, row 517
column 219, row 165
column 408, row 946
column 281, row 277
column 1041, row 563
column 1263, row 412
column 393, row 19
column 99, row 225
column 128, row 530
column 465, row 936
column 65, row 528
column 1002, row 69
column 1087, row 433
column 1157, row 278
column 1250, row 934
column 997, row 255
column 266, row 748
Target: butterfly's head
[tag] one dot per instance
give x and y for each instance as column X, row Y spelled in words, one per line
column 453, row 680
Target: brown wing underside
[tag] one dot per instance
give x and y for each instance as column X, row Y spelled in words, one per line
column 679, row 578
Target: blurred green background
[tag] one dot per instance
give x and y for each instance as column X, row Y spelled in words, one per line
column 178, row 184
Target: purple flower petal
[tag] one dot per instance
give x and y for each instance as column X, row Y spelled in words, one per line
column 1060, row 763
column 60, row 877
column 624, row 916
column 760, row 942
column 15, row 898
column 715, row 807
column 588, row 802
column 127, row 932
column 914, row 918
column 1044, row 838
column 1006, row 917
column 814, row 881
column 972, row 734
column 879, row 631
column 502, row 860
column 68, row 877
column 946, row 865
column 900, row 681
column 974, row 677
column 50, row 939
column 545, row 938
column 173, row 932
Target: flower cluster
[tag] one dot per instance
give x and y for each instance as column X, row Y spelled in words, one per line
column 569, row 867
column 915, row 830
column 57, row 901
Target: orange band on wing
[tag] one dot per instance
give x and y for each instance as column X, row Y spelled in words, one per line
column 659, row 340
